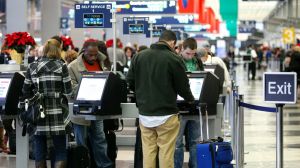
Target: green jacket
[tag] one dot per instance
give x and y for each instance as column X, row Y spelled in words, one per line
column 157, row 75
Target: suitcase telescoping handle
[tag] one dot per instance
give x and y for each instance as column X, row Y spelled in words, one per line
column 201, row 124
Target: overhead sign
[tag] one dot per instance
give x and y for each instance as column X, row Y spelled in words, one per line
column 93, row 15
column 247, row 26
column 280, row 87
column 146, row 7
column 64, row 23
column 135, row 25
column 289, row 35
column 196, row 28
column 178, row 19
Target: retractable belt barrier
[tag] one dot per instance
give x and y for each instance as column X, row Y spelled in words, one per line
column 255, row 107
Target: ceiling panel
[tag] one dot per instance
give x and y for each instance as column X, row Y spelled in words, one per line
column 255, row 10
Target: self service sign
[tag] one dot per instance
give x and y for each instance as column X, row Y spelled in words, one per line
column 280, row 87
column 93, row 15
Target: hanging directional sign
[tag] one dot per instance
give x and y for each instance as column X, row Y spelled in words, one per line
column 64, row 23
column 135, row 25
column 289, row 35
column 179, row 19
column 146, row 7
column 93, row 15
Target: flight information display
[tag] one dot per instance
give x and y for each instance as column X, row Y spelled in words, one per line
column 91, row 89
column 136, row 28
column 156, row 32
column 196, row 87
column 93, row 20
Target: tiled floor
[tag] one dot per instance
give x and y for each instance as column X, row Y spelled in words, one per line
column 260, row 131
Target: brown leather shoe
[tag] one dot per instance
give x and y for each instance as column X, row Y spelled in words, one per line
column 61, row 164
column 3, row 147
column 41, row 164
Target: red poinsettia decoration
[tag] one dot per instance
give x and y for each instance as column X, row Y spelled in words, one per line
column 18, row 41
column 67, row 42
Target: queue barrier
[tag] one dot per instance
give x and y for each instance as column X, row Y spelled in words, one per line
column 238, row 124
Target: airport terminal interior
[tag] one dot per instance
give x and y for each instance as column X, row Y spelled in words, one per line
column 240, row 59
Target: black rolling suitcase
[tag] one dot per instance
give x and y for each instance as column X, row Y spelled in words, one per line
column 78, row 157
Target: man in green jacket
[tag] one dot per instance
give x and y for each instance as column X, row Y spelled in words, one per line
column 157, row 75
column 192, row 63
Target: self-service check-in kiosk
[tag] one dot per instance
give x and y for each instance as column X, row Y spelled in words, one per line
column 11, row 85
column 218, row 71
column 205, row 89
column 100, row 93
column 247, row 58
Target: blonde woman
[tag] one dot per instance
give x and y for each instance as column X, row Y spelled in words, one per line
column 49, row 75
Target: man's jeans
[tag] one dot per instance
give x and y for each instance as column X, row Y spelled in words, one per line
column 193, row 130
column 97, row 140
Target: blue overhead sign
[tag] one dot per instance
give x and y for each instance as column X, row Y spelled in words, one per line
column 188, row 19
column 146, row 7
column 136, row 25
column 93, row 15
column 280, row 87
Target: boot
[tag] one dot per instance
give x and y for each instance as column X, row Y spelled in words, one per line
column 2, row 143
column 60, row 164
column 41, row 164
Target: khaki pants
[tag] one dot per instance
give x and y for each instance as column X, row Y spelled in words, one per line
column 162, row 139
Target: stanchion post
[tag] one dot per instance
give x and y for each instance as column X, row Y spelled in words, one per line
column 242, row 140
column 151, row 31
column 114, row 22
column 239, row 157
column 279, row 136
column 234, row 118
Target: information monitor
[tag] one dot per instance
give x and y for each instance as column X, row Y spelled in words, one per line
column 136, row 28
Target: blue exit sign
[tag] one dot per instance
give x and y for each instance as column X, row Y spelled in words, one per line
column 280, row 87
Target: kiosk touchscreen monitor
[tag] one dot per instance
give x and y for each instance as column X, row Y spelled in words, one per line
column 218, row 71
column 136, row 29
column 4, row 86
column 100, row 93
column 91, row 89
column 196, row 87
column 11, row 85
column 205, row 89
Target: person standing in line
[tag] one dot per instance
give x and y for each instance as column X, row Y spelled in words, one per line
column 90, row 59
column 51, row 77
column 192, row 64
column 206, row 58
column 157, row 75
column 252, row 65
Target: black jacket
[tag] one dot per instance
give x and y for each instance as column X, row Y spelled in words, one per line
column 295, row 63
column 157, row 75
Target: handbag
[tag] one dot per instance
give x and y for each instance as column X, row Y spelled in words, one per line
column 32, row 109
